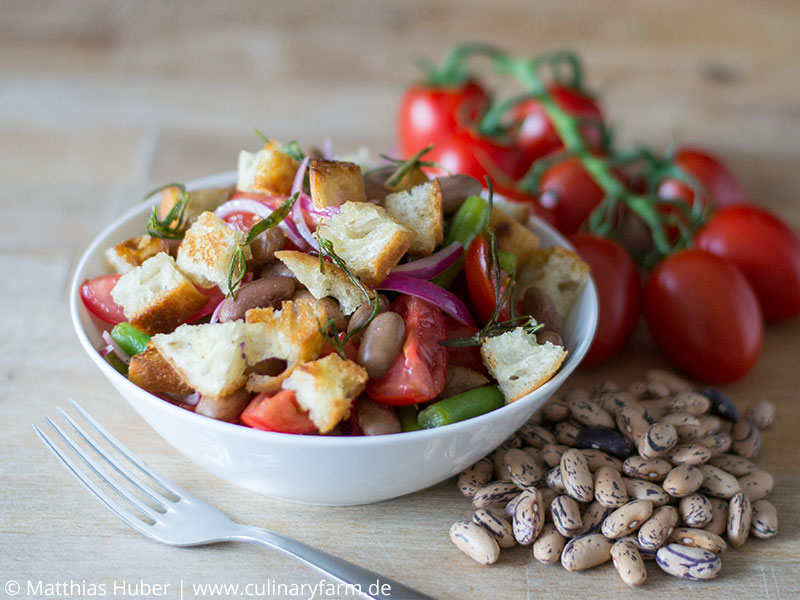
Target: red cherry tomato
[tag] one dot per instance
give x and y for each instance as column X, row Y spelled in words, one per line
column 569, row 193
column 96, row 296
column 430, row 114
column 278, row 412
column 465, row 151
column 214, row 295
column 720, row 185
column 464, row 356
column 766, row 251
column 480, row 283
column 704, row 316
column 535, row 134
column 619, row 291
column 420, row 370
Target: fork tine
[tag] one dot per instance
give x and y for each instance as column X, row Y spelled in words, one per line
column 101, row 473
column 116, row 464
column 133, row 458
column 111, row 504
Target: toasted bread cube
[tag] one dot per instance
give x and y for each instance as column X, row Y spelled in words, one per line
column 268, row 171
column 291, row 333
column 334, row 182
column 207, row 250
column 133, row 252
column 513, row 237
column 367, row 239
column 559, row 273
column 152, row 372
column 520, row 364
column 156, row 297
column 333, row 282
column 209, row 357
column 420, row 210
column 199, row 201
column 326, row 388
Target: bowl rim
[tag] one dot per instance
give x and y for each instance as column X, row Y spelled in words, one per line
column 321, row 441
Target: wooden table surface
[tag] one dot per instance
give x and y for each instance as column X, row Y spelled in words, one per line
column 101, row 101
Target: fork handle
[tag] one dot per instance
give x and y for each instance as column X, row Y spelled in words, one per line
column 371, row 584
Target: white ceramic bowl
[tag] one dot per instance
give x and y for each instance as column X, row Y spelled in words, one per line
column 318, row 469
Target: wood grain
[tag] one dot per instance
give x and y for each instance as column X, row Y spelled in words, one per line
column 101, row 101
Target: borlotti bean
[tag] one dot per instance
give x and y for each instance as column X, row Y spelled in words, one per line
column 657, row 440
column 474, row 541
column 649, row 469
column 688, row 562
column 498, row 526
column 764, row 523
column 740, row 514
column 626, row 519
column 656, row 530
column 760, row 413
column 699, row 538
column 548, row 546
column 756, row 485
column 586, row 552
column 576, row 477
column 695, row 510
column 628, row 562
column 682, row 481
column 645, row 473
column 565, row 514
column 475, row 477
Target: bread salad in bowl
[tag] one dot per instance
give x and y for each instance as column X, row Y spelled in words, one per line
column 319, row 296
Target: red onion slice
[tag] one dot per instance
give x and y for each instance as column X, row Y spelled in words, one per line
column 297, row 184
column 431, row 292
column 115, row 348
column 433, row 265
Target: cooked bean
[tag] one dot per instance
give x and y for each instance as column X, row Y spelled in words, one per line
column 627, row 518
column 628, row 562
column 576, row 476
column 258, row 293
column 719, row 516
column 540, row 306
column 688, row 454
column 269, row 367
column 746, row 439
column 377, row 419
column 609, row 490
column 656, row 530
column 682, row 481
column 761, row 413
column 522, row 469
column 718, row 483
column 474, row 541
column 608, row 440
column 586, row 552
column 696, row 510
column 528, row 517
column 499, row 527
column 649, row 469
column 640, row 489
column 276, row 269
column 592, row 517
column 721, row 404
column 548, row 546
column 363, row 312
column 688, row 562
column 657, row 440
column 475, row 477
column 224, row 408
column 380, row 343
column 264, row 247
column 735, row 465
column 764, row 523
column 756, row 485
column 496, row 493
column 332, row 310
column 740, row 514
column 566, row 515
column 699, row 538
column 462, row 379
column 455, row 189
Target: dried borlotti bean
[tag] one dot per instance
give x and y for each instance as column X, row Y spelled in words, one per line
column 717, row 443
column 764, row 523
column 639, row 489
column 682, row 481
column 592, row 517
column 673, row 382
column 721, row 404
column 735, row 465
column 609, row 489
column 523, row 469
column 551, row 454
column 649, row 469
column 554, row 479
column 699, row 538
column 756, row 485
column 688, row 562
column 746, row 439
column 586, row 551
column 495, row 524
column 566, row 516
column 597, row 458
column 760, row 413
column 695, row 510
column 626, row 519
column 740, row 514
column 719, row 516
column 687, row 426
column 567, row 432
column 605, row 439
column 576, row 477
column 656, row 530
column 688, row 402
column 688, row 454
column 528, row 518
column 657, row 440
column 649, row 389
column 628, row 562
column 496, row 493
column 474, row 541
column 632, row 423
column 556, row 409
column 709, row 424
column 591, row 415
column 718, row 483
column 475, row 477
column 613, row 402
column 535, row 435
column 548, row 546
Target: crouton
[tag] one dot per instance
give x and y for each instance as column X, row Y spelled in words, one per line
column 209, row 357
column 291, row 333
column 133, row 252
column 269, row 384
column 268, row 171
column 152, row 372
column 367, row 239
column 420, row 210
column 326, row 388
column 333, row 282
column 334, row 182
column 198, row 202
column 513, row 237
column 156, row 297
column 207, row 250
column 559, row 273
column 519, row 363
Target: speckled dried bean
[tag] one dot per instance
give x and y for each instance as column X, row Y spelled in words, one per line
column 657, row 440
column 605, row 385
column 475, row 477
column 496, row 493
column 740, row 514
column 675, row 383
column 586, row 552
column 757, row 485
column 689, row 402
column 695, row 510
column 498, row 458
column 551, row 454
column 682, row 481
column 522, row 469
column 656, row 530
column 632, row 423
column 554, row 479
column 628, row 562
column 718, row 483
column 649, row 469
column 613, row 402
column 576, row 476
column 709, row 424
column 698, row 538
column 566, row 515
column 688, row 454
column 761, row 413
column 719, row 516
column 688, row 562
column 609, row 490
column 548, row 546
column 535, row 435
column 655, row 408
column 512, row 441
column 607, row 440
column 721, row 404
column 764, row 523
column 567, row 432
column 746, row 439
column 717, row 443
column 733, row 464
column 591, row 415
column 597, row 458
column 556, row 409
column 534, row 453
column 639, row 489
column 528, row 518
column 627, row 518
column 592, row 517
column 498, row 526
column 686, row 425
column 649, row 389
column 474, row 541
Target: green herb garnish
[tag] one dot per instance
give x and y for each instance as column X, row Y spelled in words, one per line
column 171, row 227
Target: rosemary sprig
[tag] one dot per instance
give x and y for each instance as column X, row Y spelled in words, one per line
column 171, row 227
column 238, row 262
column 404, row 167
column 293, row 148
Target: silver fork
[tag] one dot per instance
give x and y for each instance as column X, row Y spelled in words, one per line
column 185, row 520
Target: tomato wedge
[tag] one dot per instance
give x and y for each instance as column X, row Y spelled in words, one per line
column 279, row 413
column 96, row 296
column 420, row 370
column 479, row 281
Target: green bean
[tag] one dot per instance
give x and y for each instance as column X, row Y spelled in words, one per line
column 508, row 261
column 408, row 417
column 461, row 406
column 130, row 339
column 116, row 362
column 467, row 223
